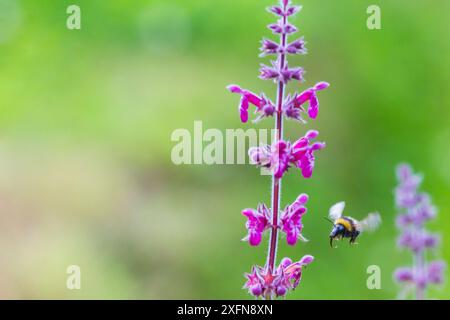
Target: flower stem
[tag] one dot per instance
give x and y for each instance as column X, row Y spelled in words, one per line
column 419, row 265
column 276, row 183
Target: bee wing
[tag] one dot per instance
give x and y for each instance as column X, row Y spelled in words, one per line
column 371, row 222
column 336, row 210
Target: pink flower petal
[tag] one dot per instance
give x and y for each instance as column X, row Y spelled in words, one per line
column 303, row 198
column 285, row 262
column 312, row 134
column 313, row 109
column 243, row 110
column 234, row 88
column 306, row 260
column 255, row 238
column 321, row 85
column 291, row 238
column 303, row 97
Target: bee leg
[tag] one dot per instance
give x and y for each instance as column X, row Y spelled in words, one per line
column 331, row 242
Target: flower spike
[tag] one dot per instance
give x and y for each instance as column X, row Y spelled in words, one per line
column 271, row 280
column 415, row 210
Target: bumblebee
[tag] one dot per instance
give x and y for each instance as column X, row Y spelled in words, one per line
column 348, row 227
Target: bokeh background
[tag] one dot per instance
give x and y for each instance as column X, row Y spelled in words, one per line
column 86, row 118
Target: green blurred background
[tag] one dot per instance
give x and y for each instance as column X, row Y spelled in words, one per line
column 86, row 118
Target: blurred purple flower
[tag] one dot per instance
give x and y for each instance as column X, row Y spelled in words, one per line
column 415, row 209
column 418, row 240
column 406, row 194
column 418, row 214
column 433, row 273
column 404, row 274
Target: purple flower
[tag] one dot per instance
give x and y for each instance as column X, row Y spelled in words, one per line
column 418, row 240
column 269, row 47
column 424, row 211
column 269, row 73
column 276, row 10
column 280, row 156
column 404, row 274
column 418, row 214
column 416, row 209
column 261, row 156
column 293, row 272
column 275, row 157
column 292, row 10
column 296, row 47
column 303, row 152
column 406, row 193
column 282, row 28
column 284, row 11
column 255, row 282
column 291, row 220
column 287, row 74
column 310, row 95
column 270, row 281
column 264, row 106
column 409, row 275
column 284, row 74
column 435, row 272
column 287, row 276
column 257, row 223
column 290, row 110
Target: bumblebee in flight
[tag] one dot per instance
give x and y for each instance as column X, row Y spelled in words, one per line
column 348, row 227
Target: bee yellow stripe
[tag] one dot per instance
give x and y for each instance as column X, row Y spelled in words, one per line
column 347, row 225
